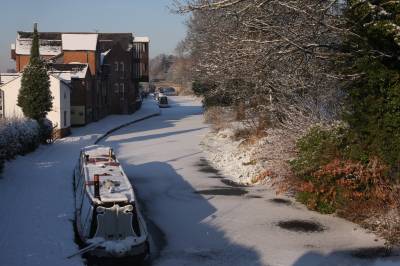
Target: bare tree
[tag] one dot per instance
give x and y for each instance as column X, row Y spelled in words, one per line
column 276, row 57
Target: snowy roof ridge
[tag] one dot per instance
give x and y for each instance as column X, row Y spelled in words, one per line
column 141, row 39
column 8, row 77
column 79, row 42
column 60, row 79
column 46, row 47
column 67, row 75
column 102, row 55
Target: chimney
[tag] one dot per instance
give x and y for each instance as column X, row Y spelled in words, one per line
column 96, row 181
column 13, row 55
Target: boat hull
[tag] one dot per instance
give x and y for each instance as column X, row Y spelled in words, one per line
column 114, row 231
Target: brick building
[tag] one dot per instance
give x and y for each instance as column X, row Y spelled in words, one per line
column 79, row 77
column 111, row 67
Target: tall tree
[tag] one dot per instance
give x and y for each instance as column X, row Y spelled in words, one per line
column 35, row 97
column 272, row 57
column 374, row 95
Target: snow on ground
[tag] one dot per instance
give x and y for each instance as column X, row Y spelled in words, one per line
column 36, row 197
column 237, row 161
column 194, row 218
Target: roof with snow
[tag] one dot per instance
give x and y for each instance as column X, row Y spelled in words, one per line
column 105, row 40
column 66, row 72
column 141, row 39
column 102, row 55
column 79, row 42
column 46, row 47
column 7, row 77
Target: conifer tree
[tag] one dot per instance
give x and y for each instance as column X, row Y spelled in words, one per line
column 35, row 97
column 374, row 97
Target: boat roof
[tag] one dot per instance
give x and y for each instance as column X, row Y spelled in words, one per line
column 114, row 184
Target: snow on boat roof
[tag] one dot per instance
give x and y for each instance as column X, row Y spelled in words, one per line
column 79, row 42
column 114, row 184
column 141, row 39
column 46, row 47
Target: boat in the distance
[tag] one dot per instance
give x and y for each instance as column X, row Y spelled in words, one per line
column 107, row 215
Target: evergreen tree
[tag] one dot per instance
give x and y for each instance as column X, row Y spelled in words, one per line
column 35, row 96
column 373, row 107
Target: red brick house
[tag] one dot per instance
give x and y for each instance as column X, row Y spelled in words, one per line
column 116, row 63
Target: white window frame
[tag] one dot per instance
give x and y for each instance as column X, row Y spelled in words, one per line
column 122, row 66
column 116, row 66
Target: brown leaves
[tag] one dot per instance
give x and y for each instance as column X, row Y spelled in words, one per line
column 358, row 180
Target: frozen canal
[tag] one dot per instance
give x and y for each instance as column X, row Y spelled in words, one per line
column 195, row 217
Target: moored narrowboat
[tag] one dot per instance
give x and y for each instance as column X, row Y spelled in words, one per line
column 107, row 215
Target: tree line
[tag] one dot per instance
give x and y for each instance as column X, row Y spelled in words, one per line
column 328, row 70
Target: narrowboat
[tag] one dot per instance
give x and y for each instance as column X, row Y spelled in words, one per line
column 163, row 102
column 107, row 215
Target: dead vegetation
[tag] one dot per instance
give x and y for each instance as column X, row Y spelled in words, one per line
column 361, row 193
column 218, row 118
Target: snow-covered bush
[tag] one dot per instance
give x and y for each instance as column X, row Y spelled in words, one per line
column 18, row 136
column 46, row 130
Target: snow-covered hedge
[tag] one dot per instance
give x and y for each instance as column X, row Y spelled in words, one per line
column 18, row 136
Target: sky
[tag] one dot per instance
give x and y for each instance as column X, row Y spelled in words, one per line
column 151, row 18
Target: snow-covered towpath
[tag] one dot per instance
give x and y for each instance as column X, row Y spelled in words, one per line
column 197, row 218
column 36, row 195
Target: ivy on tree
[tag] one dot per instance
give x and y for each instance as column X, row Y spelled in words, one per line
column 35, row 97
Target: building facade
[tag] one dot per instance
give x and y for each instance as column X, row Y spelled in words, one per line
column 60, row 112
column 80, row 80
column 116, row 63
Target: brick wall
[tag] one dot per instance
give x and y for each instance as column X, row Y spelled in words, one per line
column 89, row 57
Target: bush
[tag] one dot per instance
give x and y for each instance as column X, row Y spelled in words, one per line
column 218, row 117
column 18, row 136
column 317, row 148
column 46, row 131
column 335, row 174
column 28, row 135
